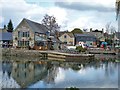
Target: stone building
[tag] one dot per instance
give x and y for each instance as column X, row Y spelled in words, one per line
column 30, row 34
column 67, row 38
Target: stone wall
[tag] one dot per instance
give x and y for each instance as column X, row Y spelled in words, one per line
column 21, row 53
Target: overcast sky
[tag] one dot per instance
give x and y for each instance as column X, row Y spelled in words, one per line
column 70, row 14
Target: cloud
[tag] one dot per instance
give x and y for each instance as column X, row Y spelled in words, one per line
column 83, row 6
column 60, row 14
column 1, row 19
column 16, row 10
column 68, row 18
column 90, row 19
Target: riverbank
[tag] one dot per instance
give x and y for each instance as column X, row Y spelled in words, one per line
column 48, row 55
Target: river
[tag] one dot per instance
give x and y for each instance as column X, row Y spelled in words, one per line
column 54, row 74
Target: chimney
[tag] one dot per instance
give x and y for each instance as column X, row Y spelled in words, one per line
column 90, row 29
column 102, row 30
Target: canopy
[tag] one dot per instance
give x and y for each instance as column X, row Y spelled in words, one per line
column 105, row 43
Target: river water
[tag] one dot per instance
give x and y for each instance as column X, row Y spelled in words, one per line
column 54, row 74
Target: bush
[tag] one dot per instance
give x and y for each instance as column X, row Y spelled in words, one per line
column 81, row 49
column 72, row 88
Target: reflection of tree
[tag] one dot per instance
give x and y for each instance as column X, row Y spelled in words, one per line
column 112, row 66
column 51, row 74
column 76, row 67
column 7, row 67
column 106, row 69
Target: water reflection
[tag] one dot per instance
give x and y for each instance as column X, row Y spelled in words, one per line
column 7, row 67
column 51, row 74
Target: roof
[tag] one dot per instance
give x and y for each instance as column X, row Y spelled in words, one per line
column 36, row 27
column 85, row 37
column 3, row 30
column 6, row 36
column 69, row 33
column 97, row 31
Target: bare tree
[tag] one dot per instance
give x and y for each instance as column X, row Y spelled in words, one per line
column 107, row 26
column 51, row 24
column 112, row 29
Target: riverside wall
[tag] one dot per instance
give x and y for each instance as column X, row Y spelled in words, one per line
column 21, row 53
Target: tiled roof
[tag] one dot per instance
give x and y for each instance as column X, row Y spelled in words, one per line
column 85, row 37
column 36, row 27
column 69, row 33
column 3, row 30
column 6, row 36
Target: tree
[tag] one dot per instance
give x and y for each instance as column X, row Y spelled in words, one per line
column 10, row 26
column 77, row 30
column 51, row 24
column 110, row 31
column 4, row 26
column 107, row 26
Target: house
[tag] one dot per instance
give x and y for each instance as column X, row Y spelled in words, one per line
column 30, row 34
column 2, row 30
column 117, row 39
column 67, row 38
column 99, row 34
column 87, row 39
column 5, row 39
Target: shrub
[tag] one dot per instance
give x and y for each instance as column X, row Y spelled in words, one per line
column 72, row 88
column 81, row 49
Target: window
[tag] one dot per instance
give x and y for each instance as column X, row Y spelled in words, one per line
column 28, row 34
column 65, row 36
column 19, row 43
column 23, row 43
column 71, row 42
column 65, row 42
column 25, row 34
column 18, row 33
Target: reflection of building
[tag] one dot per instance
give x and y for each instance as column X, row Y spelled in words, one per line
column 52, row 73
column 28, row 73
column 6, row 81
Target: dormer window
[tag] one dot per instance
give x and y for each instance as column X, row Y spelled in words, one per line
column 65, row 36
